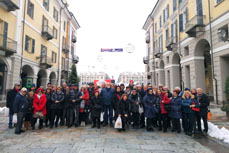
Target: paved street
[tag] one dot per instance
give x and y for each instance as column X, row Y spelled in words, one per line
column 86, row 140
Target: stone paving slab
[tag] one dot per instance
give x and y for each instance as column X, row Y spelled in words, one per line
column 87, row 140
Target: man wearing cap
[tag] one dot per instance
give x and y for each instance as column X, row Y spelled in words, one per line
column 20, row 108
column 33, row 88
column 10, row 102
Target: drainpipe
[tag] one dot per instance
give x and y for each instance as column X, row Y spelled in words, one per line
column 22, row 42
column 154, row 62
column 212, row 54
column 60, row 45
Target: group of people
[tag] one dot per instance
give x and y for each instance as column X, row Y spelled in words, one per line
column 137, row 106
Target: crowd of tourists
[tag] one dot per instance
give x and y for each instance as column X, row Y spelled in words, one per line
column 138, row 106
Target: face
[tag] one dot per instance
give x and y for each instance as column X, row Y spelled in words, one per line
column 58, row 89
column 96, row 94
column 118, row 89
column 48, row 90
column 175, row 94
column 39, row 93
column 134, row 92
column 18, row 87
column 145, row 88
column 122, row 87
column 150, row 92
column 187, row 94
column 24, row 93
column 67, row 89
column 64, row 84
column 166, row 89
column 199, row 91
column 193, row 91
column 108, row 85
column 49, row 86
column 75, row 87
column 139, row 88
column 159, row 92
column 32, row 88
column 54, row 88
column 103, row 85
column 125, row 98
column 30, row 95
column 127, row 89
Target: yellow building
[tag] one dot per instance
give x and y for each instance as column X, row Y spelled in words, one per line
column 45, row 35
column 179, row 37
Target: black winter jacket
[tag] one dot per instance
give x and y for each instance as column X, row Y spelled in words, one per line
column 57, row 97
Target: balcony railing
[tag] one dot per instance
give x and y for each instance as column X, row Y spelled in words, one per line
column 65, row 66
column 195, row 25
column 7, row 46
column 75, row 59
column 45, row 62
column 158, row 52
column 47, row 32
column 146, row 60
column 74, row 39
column 65, row 48
column 10, row 5
column 170, row 42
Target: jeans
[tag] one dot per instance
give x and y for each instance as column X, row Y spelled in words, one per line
column 135, row 119
column 188, row 119
column 108, row 109
column 70, row 116
column 165, row 121
column 56, row 115
column 10, row 120
column 20, row 119
column 76, row 112
column 176, row 124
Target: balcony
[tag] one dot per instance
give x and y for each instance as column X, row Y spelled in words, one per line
column 74, row 39
column 170, row 42
column 146, row 60
column 7, row 46
column 195, row 25
column 147, row 39
column 47, row 32
column 65, row 48
column 65, row 66
column 45, row 62
column 75, row 59
column 158, row 53
column 9, row 5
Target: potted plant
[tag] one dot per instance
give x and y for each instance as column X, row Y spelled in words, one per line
column 226, row 104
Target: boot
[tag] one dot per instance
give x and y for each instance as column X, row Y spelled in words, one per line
column 29, row 125
column 25, row 126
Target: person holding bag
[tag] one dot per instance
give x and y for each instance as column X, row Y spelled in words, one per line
column 116, row 98
column 39, row 103
column 84, row 105
column 96, row 105
column 29, row 112
column 123, row 110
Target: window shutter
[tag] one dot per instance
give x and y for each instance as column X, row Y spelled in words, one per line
column 171, row 30
column 167, row 11
column 181, row 22
column 33, row 46
column 26, row 43
column 5, row 34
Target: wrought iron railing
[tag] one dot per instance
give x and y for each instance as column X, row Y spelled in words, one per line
column 7, row 44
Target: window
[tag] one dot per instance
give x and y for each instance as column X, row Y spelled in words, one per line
column 63, row 42
column 53, row 57
column 55, row 14
column 161, row 44
column 172, row 30
column 180, row 1
column 167, row 34
column 174, row 5
column 63, row 62
column 155, row 27
column 164, row 18
column 167, row 59
column 43, row 58
column 175, row 28
column 45, row 23
column 218, row 1
column 64, row 25
column 30, row 9
column 29, row 44
column 167, row 11
column 3, row 33
column 181, row 22
column 46, row 4
column 55, row 32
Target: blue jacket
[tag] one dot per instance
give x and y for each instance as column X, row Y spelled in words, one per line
column 20, row 103
column 186, row 105
column 149, row 101
column 107, row 96
column 175, row 108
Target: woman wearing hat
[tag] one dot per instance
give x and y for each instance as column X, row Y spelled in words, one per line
column 39, row 103
column 96, row 105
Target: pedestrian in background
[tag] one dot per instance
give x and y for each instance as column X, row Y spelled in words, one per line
column 10, row 102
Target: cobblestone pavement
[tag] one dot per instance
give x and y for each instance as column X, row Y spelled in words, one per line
column 87, row 140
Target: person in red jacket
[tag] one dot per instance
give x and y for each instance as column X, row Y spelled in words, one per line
column 165, row 100
column 39, row 104
column 84, row 105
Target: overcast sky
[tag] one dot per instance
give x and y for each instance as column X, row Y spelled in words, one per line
column 111, row 24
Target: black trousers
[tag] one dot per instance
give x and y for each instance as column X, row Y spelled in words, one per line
column 197, row 121
column 76, row 112
column 48, row 117
column 176, row 124
column 149, row 123
column 20, row 119
column 34, row 121
column 159, row 120
column 135, row 117
column 124, row 120
column 188, row 119
column 96, row 121
column 56, row 115
column 64, row 116
column 69, row 116
column 205, row 120
column 165, row 121
column 82, row 117
column 142, row 120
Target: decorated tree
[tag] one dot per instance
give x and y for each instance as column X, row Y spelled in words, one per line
column 73, row 77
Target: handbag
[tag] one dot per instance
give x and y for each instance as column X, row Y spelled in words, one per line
column 82, row 104
column 141, row 110
column 39, row 115
column 155, row 110
column 15, row 118
column 7, row 111
column 209, row 115
column 118, row 123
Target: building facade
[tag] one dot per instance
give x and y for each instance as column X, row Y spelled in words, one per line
column 138, row 77
column 37, row 42
column 188, row 45
column 89, row 77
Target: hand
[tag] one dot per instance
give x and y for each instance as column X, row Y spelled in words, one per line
column 137, row 103
column 81, row 97
column 163, row 101
column 57, row 101
column 73, row 101
column 126, row 115
column 192, row 106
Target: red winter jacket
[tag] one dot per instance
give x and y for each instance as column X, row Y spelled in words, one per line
column 40, row 104
column 86, row 99
column 166, row 100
